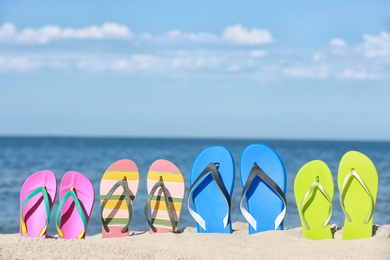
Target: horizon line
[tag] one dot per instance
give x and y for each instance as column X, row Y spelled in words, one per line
column 194, row 138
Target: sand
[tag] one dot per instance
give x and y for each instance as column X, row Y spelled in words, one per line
column 286, row 244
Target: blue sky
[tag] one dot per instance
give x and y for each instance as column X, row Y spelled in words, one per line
column 252, row 69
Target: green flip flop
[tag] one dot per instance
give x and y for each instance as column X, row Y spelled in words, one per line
column 358, row 185
column 314, row 190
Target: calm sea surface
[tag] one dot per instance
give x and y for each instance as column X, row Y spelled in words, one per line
column 20, row 157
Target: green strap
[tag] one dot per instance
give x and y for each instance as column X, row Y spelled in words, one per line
column 122, row 183
column 71, row 193
column 158, row 184
column 347, row 179
column 305, row 200
column 46, row 201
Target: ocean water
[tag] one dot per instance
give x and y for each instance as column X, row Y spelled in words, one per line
column 22, row 156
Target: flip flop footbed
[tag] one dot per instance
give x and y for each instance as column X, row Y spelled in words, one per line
column 357, row 172
column 71, row 224
column 264, row 204
column 34, row 212
column 174, row 183
column 314, row 191
column 115, row 212
column 208, row 199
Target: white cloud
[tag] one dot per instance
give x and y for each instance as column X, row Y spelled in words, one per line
column 146, row 63
column 337, row 42
column 317, row 57
column 17, row 63
column 235, row 51
column 163, row 62
column 7, row 32
column 45, row 34
column 359, row 74
column 376, row 45
column 241, row 35
column 306, row 72
column 193, row 37
column 237, row 34
column 258, row 53
column 257, row 64
column 126, row 64
column 32, row 62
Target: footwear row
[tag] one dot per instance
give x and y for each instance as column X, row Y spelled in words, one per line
column 263, row 201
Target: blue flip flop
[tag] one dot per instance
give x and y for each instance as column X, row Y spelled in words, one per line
column 212, row 181
column 263, row 179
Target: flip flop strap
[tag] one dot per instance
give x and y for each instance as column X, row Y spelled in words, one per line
column 122, row 183
column 160, row 184
column 257, row 171
column 46, row 200
column 366, row 189
column 71, row 193
column 305, row 200
column 211, row 168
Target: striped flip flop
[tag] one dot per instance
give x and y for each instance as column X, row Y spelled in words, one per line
column 118, row 188
column 165, row 186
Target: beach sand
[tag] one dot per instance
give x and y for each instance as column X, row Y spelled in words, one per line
column 286, row 244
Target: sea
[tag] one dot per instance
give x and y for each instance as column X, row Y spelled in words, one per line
column 22, row 156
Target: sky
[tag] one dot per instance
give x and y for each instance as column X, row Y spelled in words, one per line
column 203, row 69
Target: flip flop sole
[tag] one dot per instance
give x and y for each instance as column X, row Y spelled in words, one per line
column 71, row 223
column 263, row 203
column 116, row 208
column 174, row 183
column 356, row 200
column 316, row 209
column 208, row 199
column 34, row 212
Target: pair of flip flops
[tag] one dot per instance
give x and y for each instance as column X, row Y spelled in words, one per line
column 37, row 198
column 263, row 180
column 358, row 186
column 119, row 187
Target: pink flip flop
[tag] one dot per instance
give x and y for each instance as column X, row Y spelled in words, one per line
column 76, row 202
column 37, row 197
